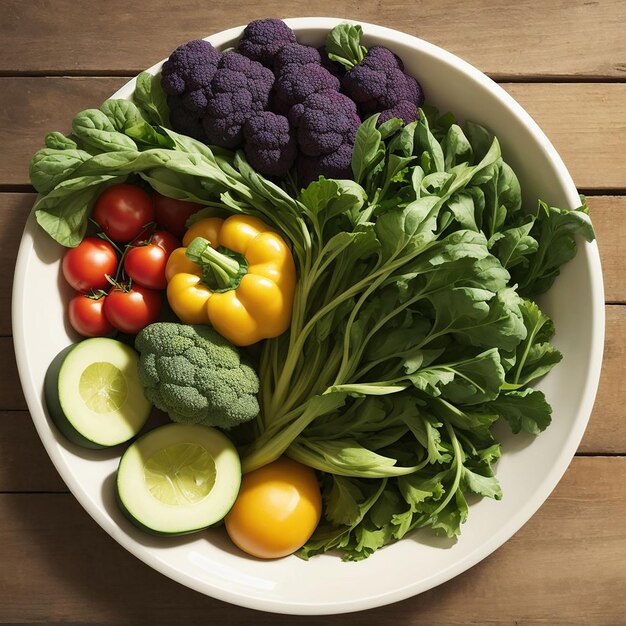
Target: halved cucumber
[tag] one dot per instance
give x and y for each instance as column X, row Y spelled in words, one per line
column 93, row 393
column 178, row 479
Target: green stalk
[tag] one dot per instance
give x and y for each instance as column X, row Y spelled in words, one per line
column 295, row 349
column 275, row 440
column 220, row 272
column 458, row 463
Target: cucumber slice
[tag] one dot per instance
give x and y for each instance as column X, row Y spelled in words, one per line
column 178, row 479
column 93, row 393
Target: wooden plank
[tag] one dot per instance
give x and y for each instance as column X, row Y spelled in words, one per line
column 586, row 122
column 546, row 563
column 24, row 463
column 501, row 38
column 32, row 107
column 14, row 209
column 608, row 214
column 606, row 432
column 32, row 471
column 587, row 125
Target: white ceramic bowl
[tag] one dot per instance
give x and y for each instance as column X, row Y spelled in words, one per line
column 529, row 469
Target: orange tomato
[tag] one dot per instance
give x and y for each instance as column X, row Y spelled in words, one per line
column 277, row 509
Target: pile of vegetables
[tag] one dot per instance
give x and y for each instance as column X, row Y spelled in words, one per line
column 373, row 253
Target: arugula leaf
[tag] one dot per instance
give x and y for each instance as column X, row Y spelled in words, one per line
column 482, row 484
column 525, row 410
column 514, row 245
column 470, row 381
column 555, row 231
column 535, row 356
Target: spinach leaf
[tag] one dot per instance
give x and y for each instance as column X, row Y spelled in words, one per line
column 151, row 99
column 50, row 166
column 368, row 148
column 96, row 130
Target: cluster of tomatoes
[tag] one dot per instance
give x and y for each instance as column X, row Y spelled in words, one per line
column 119, row 274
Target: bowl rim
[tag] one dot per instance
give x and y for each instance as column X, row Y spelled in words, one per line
column 514, row 523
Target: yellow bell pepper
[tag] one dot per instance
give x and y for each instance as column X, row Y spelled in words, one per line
column 245, row 290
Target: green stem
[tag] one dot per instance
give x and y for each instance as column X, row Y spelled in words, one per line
column 458, row 462
column 295, row 348
column 224, row 270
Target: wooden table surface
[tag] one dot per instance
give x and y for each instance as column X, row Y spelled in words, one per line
column 565, row 62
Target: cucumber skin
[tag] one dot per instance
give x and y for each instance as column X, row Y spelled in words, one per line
column 151, row 531
column 51, row 394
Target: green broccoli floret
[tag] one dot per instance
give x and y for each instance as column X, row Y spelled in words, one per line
column 196, row 375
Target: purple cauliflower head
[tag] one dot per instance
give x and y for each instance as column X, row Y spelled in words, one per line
column 324, row 121
column 337, row 164
column 240, row 88
column 189, row 71
column 378, row 83
column 262, row 39
column 270, row 144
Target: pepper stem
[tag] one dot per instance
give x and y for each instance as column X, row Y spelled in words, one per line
column 224, row 271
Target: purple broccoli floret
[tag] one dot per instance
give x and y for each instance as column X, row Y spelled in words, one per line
column 185, row 121
column 262, row 39
column 240, row 88
column 295, row 83
column 270, row 144
column 405, row 110
column 336, row 164
column 324, row 122
column 295, row 54
column 189, row 71
column 378, row 83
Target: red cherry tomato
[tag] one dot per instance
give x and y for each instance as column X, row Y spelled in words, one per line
column 173, row 214
column 122, row 211
column 165, row 240
column 146, row 265
column 130, row 310
column 87, row 316
column 85, row 266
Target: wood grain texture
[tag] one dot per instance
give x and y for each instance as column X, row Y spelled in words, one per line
column 545, row 574
column 587, row 125
column 586, row 122
column 24, row 463
column 527, row 38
